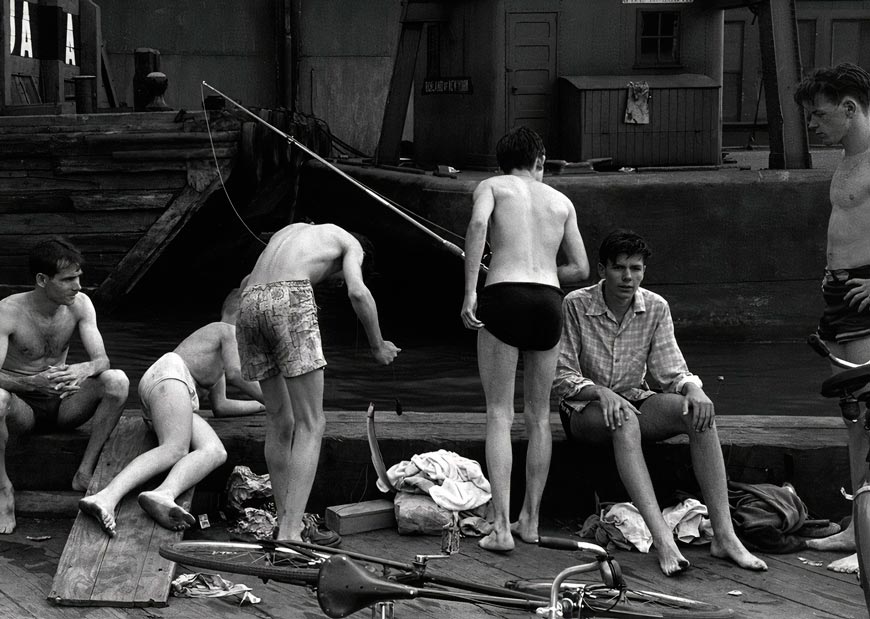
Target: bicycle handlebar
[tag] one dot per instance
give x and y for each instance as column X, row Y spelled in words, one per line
column 822, row 349
column 564, row 543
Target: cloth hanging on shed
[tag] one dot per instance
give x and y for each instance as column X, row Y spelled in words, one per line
column 637, row 104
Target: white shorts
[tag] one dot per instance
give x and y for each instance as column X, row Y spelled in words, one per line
column 168, row 367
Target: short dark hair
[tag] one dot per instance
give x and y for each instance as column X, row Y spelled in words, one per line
column 623, row 242
column 50, row 256
column 835, row 83
column 518, row 150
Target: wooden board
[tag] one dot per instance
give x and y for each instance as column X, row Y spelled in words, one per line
column 96, row 570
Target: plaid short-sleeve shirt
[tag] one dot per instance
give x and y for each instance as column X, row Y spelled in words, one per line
column 596, row 349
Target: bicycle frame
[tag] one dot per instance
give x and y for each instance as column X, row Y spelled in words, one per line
column 851, row 387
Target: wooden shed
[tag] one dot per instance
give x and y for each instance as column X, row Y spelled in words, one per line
column 683, row 127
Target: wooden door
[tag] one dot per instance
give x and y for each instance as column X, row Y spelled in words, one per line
column 531, row 71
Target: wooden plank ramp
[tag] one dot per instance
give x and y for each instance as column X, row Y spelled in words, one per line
column 125, row 570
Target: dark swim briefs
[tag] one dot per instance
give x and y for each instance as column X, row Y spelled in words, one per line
column 525, row 315
column 841, row 322
column 45, row 410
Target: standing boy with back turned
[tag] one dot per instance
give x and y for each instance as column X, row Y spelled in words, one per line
column 519, row 310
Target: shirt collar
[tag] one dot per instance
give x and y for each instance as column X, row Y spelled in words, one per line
column 599, row 306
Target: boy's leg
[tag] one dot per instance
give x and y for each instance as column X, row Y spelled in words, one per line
column 171, row 417
column 539, row 368
column 18, row 415
column 662, row 417
column 102, row 397
column 497, row 363
column 205, row 455
column 858, row 444
column 295, row 450
column 279, row 436
column 588, row 426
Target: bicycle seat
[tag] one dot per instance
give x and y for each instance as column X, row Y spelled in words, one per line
column 344, row 587
column 847, row 382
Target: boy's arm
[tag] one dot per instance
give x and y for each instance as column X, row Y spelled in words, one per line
column 364, row 305
column 475, row 240
column 577, row 268
column 222, row 406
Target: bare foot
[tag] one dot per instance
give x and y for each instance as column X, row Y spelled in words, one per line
column 81, row 481
column 103, row 514
column 844, row 541
column 671, row 560
column 733, row 550
column 166, row 511
column 846, row 565
column 7, row 509
column 497, row 542
column 526, row 531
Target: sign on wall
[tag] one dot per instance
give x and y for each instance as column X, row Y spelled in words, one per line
column 42, row 32
column 447, row 86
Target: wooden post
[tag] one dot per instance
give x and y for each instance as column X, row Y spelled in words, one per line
column 781, row 72
column 414, row 16
column 90, row 61
column 145, row 61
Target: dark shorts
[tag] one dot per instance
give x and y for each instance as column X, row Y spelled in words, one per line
column 840, row 322
column 525, row 315
column 45, row 410
column 566, row 411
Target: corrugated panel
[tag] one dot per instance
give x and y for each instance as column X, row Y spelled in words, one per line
column 682, row 129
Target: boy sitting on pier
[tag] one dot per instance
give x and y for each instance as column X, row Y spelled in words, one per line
column 187, row 445
column 614, row 333
column 39, row 390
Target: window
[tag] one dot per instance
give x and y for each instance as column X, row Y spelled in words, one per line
column 658, row 39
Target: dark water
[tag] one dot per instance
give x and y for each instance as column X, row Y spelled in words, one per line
column 437, row 368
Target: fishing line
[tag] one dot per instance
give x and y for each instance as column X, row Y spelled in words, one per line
column 218, row 168
column 447, row 245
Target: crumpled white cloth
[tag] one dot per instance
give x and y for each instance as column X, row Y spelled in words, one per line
column 201, row 585
column 688, row 520
column 453, row 481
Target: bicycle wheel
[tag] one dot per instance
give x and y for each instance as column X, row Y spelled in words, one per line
column 264, row 560
column 603, row 602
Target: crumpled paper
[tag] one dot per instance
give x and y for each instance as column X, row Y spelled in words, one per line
column 257, row 522
column 247, row 489
column 201, row 585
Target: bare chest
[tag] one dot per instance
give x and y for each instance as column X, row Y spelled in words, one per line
column 38, row 338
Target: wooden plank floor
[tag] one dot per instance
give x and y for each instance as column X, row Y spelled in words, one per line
column 125, row 570
column 790, row 590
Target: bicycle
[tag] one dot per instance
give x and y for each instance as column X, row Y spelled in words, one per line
column 347, row 582
column 850, row 386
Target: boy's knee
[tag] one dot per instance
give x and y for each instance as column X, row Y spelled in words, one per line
column 115, row 384
column 629, row 432
column 5, row 402
column 217, row 454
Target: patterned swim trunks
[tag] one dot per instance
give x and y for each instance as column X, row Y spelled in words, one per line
column 277, row 330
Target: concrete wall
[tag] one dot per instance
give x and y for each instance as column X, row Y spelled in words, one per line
column 227, row 43
column 346, row 52
column 739, row 254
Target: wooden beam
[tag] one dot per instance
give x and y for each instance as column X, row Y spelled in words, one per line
column 781, row 72
column 149, row 247
column 396, row 109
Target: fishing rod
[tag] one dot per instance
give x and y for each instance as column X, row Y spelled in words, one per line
column 447, row 245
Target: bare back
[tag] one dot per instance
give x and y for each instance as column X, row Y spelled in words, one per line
column 849, row 225
column 301, row 251
column 526, row 230
column 203, row 352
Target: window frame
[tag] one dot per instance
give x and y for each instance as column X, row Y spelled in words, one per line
column 642, row 61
